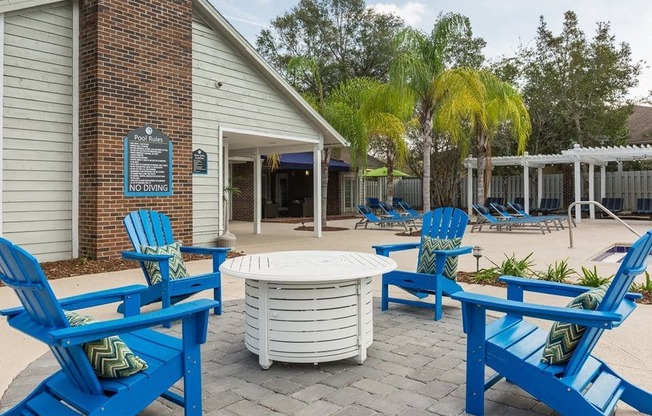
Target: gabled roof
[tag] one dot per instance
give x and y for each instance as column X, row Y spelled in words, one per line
column 639, row 125
column 212, row 17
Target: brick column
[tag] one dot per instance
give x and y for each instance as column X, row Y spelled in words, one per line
column 135, row 69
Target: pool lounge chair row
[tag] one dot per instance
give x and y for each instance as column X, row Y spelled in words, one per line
column 556, row 220
column 486, row 218
column 643, row 206
column 547, row 205
column 368, row 217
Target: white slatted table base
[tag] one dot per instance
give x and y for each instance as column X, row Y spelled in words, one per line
column 308, row 323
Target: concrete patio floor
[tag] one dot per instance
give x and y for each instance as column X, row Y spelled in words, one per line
column 405, row 364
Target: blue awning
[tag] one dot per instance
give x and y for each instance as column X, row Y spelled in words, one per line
column 303, row 161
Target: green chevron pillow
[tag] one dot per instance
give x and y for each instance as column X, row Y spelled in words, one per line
column 110, row 357
column 564, row 337
column 427, row 260
column 177, row 267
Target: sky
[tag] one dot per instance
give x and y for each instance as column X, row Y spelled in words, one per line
column 504, row 24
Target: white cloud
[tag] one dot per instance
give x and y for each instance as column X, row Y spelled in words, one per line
column 411, row 12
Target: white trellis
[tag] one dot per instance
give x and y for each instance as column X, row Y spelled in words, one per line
column 593, row 156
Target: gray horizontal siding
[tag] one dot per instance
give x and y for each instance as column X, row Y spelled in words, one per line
column 245, row 101
column 37, row 130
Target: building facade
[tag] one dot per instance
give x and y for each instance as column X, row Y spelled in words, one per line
column 78, row 76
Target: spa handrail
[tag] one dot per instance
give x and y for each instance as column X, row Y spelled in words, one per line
column 603, row 208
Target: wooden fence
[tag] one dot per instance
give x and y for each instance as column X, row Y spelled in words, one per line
column 630, row 186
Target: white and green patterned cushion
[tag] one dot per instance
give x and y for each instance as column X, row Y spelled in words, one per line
column 427, row 260
column 110, row 357
column 177, row 267
column 564, row 337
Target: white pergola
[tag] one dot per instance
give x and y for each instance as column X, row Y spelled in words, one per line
column 593, row 156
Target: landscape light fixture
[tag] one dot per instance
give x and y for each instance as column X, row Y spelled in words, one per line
column 477, row 253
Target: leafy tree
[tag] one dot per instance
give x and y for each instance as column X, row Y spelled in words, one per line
column 575, row 89
column 422, row 57
column 344, row 38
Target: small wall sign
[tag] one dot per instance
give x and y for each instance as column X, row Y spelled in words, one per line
column 199, row 162
column 147, row 163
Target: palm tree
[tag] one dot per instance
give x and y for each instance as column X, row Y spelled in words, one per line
column 388, row 112
column 421, row 60
column 376, row 117
column 367, row 114
column 474, row 105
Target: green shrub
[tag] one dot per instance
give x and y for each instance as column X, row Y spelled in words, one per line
column 591, row 278
column 512, row 266
column 486, row 276
column 643, row 287
column 558, row 272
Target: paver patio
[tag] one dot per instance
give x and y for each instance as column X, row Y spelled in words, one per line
column 415, row 365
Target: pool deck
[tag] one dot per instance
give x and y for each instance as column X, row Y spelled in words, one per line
column 395, row 372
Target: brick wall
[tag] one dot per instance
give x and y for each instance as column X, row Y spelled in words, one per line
column 135, row 69
column 242, row 204
column 333, row 206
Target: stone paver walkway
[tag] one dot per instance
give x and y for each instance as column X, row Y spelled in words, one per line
column 416, row 366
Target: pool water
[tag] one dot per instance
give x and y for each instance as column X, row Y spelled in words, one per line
column 614, row 254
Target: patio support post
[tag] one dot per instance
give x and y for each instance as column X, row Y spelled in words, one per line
column 578, row 191
column 2, row 112
column 317, row 188
column 539, row 186
column 221, row 180
column 603, row 182
column 469, row 190
column 226, row 215
column 526, row 184
column 592, row 190
column 258, row 190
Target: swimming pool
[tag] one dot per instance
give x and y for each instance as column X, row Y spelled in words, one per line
column 614, row 254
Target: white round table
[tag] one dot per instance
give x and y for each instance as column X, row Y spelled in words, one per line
column 308, row 306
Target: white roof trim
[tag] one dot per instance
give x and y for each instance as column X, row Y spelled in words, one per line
column 594, row 155
column 11, row 5
column 208, row 11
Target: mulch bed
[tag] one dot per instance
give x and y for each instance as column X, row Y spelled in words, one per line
column 325, row 228
column 467, row 277
column 413, row 233
column 77, row 267
column 82, row 266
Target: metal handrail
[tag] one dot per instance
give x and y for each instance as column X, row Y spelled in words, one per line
column 603, row 208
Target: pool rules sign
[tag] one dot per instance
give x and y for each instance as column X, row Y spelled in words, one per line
column 147, row 163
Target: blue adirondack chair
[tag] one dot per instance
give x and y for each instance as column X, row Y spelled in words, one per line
column 76, row 389
column 151, row 228
column 512, row 346
column 441, row 223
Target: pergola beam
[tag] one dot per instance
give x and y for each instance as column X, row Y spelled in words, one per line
column 593, row 156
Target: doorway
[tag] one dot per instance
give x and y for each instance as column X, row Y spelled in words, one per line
column 282, row 192
column 349, row 190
